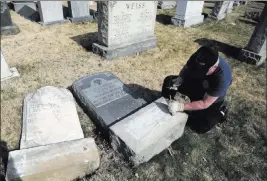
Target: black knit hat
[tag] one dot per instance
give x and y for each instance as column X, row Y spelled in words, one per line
column 203, row 59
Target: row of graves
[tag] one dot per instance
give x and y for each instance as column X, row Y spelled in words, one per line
column 53, row 146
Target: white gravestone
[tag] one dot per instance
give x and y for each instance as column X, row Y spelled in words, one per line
column 51, row 12
column 55, row 162
column 49, row 116
column 79, row 11
column 230, row 7
column 147, row 132
column 188, row 13
column 220, row 9
column 125, row 27
column 6, row 72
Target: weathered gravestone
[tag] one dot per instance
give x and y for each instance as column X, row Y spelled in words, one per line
column 188, row 13
column 255, row 51
column 167, row 4
column 230, row 7
column 254, row 10
column 79, row 11
column 125, row 27
column 147, row 132
column 106, row 98
column 27, row 9
column 51, row 12
column 7, row 26
column 55, row 162
column 49, row 116
column 52, row 145
column 6, row 72
column 219, row 11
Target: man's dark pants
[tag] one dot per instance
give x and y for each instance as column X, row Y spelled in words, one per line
column 200, row 121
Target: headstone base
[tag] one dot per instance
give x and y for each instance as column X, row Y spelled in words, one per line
column 81, row 19
column 194, row 20
column 14, row 73
column 53, row 23
column 147, row 132
column 61, row 161
column 109, row 53
column 10, row 30
column 251, row 57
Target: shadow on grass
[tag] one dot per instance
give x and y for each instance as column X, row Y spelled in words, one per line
column 228, row 50
column 86, row 40
column 164, row 19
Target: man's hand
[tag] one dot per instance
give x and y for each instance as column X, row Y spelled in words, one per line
column 175, row 107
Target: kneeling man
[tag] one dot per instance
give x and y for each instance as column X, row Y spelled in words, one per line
column 204, row 79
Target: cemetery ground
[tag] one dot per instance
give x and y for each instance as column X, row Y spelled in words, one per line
column 58, row 55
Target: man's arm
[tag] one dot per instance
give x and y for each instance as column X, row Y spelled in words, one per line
column 201, row 104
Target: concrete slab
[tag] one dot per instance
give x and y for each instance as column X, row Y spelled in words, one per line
column 147, row 132
column 56, row 162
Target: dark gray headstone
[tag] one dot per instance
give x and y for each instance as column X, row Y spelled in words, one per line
column 27, row 9
column 7, row 26
column 106, row 98
column 255, row 51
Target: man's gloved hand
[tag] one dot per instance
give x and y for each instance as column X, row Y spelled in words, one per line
column 175, row 107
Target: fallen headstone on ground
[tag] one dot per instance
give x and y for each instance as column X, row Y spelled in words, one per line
column 147, row 132
column 49, row 116
column 53, row 146
column 106, row 98
column 27, row 9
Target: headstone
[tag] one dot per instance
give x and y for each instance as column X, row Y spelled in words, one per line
column 49, row 116
column 255, row 51
column 125, row 27
column 254, row 9
column 188, row 13
column 167, row 4
column 7, row 26
column 27, row 9
column 230, row 7
column 51, row 12
column 236, row 3
column 106, row 99
column 147, row 132
column 6, row 72
column 220, row 10
column 55, row 162
column 79, row 11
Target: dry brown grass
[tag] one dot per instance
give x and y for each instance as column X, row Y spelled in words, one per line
column 235, row 150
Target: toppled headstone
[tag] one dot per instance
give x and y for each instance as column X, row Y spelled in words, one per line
column 147, row 132
column 167, row 4
column 51, row 12
column 125, row 28
column 220, row 9
column 27, row 9
column 55, row 162
column 105, row 98
column 254, row 10
column 6, row 72
column 7, row 26
column 49, row 116
column 188, row 13
column 79, row 11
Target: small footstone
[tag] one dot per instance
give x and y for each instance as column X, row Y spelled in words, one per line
column 147, row 132
column 55, row 162
column 106, row 98
column 49, row 116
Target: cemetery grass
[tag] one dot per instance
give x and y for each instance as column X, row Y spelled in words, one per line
column 235, row 150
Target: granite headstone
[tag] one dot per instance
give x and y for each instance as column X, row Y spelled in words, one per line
column 51, row 12
column 27, row 9
column 219, row 11
column 125, row 27
column 105, row 98
column 79, row 11
column 147, row 132
column 49, row 116
column 7, row 26
column 188, row 13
